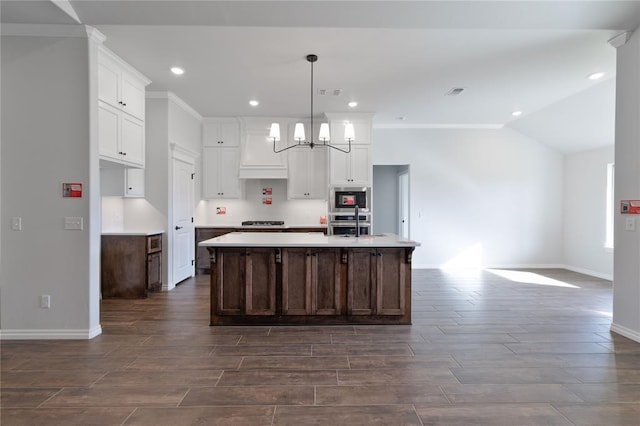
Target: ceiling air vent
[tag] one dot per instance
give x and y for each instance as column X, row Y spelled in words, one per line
column 455, row 91
column 329, row 92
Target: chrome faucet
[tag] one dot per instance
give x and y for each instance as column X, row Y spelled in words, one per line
column 357, row 222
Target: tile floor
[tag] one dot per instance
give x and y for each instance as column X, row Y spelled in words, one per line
column 483, row 349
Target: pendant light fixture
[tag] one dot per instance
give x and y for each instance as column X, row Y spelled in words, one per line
column 324, row 136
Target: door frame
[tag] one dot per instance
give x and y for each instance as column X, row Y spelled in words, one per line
column 404, row 199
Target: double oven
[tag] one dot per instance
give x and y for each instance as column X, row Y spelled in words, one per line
column 349, row 211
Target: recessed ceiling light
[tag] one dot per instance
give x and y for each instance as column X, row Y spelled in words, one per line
column 253, row 102
column 516, row 113
column 595, row 75
column 177, row 70
column 352, row 104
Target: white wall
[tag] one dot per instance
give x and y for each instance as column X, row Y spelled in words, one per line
column 585, row 185
column 293, row 212
column 626, row 269
column 479, row 197
column 48, row 139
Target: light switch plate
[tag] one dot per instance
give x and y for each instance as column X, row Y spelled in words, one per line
column 73, row 223
column 16, row 223
column 630, row 224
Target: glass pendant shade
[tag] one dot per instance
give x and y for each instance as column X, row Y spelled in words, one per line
column 349, row 132
column 274, row 133
column 324, row 133
column 298, row 133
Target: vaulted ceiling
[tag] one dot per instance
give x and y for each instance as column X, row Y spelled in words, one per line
column 397, row 59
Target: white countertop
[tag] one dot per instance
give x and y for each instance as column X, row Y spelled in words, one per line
column 305, row 239
column 134, row 233
column 264, row 226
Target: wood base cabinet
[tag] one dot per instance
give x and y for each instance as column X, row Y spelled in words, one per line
column 244, row 282
column 301, row 285
column 311, row 282
column 131, row 265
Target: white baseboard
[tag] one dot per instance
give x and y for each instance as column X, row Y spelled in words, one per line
column 608, row 277
column 82, row 334
column 626, row 332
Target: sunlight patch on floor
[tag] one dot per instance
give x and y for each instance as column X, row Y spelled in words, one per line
column 526, row 277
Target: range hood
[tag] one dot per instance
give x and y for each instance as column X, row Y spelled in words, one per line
column 257, row 159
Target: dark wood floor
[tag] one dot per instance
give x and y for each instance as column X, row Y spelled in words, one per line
column 483, row 349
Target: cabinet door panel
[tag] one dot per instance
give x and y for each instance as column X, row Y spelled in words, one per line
column 327, row 282
column 210, row 173
column 231, row 280
column 391, row 282
column 361, row 282
column 296, row 281
column 260, row 278
column 108, row 80
column 360, row 165
column 132, row 96
column 339, row 167
column 132, row 142
column 154, row 271
column 108, row 132
column 297, row 184
column 229, row 163
column 317, row 174
column 230, row 134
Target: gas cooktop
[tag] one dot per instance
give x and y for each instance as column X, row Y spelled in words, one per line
column 263, row 223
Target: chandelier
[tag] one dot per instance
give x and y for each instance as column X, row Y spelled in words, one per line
column 323, row 136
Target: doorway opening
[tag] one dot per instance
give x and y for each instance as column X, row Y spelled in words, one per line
column 390, row 196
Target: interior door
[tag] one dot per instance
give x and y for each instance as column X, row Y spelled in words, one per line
column 403, row 204
column 183, row 228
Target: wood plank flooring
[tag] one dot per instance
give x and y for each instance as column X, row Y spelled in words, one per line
column 483, row 349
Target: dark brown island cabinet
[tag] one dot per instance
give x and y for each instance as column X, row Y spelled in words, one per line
column 340, row 281
column 131, row 265
column 204, row 233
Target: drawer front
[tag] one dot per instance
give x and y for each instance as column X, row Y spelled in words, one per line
column 154, row 243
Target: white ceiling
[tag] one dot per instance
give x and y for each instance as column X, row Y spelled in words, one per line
column 396, row 58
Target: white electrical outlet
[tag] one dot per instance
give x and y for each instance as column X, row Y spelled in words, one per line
column 73, row 223
column 630, row 224
column 16, row 223
column 45, row 301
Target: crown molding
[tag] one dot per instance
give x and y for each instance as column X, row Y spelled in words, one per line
column 620, row 40
column 175, row 99
column 480, row 126
column 42, row 30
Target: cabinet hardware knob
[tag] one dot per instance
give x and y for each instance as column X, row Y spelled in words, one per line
column 178, row 227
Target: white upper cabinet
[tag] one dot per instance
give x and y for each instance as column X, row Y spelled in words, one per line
column 120, row 182
column 121, row 86
column 121, row 101
column 220, row 132
column 220, row 173
column 354, row 168
column 307, row 173
column 350, row 169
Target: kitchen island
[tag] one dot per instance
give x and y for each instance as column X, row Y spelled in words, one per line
column 309, row 278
